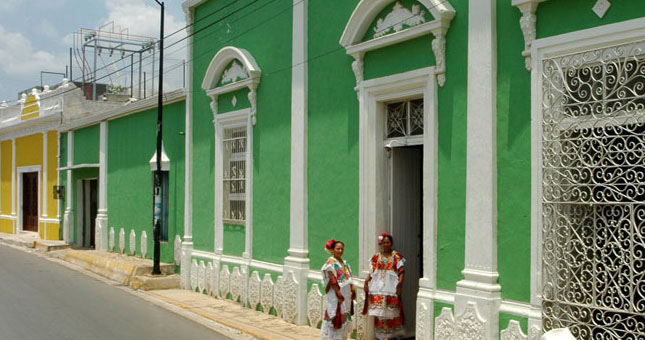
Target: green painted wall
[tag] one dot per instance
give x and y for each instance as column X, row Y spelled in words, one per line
column 333, row 135
column 406, row 56
column 438, row 306
column 225, row 101
column 131, row 144
column 234, row 239
column 558, row 17
column 86, row 145
column 451, row 159
column 513, row 158
column 247, row 29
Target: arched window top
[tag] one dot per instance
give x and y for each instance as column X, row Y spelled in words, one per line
column 367, row 10
column 400, row 25
column 231, row 68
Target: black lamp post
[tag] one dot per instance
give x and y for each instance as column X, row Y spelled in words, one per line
column 156, row 231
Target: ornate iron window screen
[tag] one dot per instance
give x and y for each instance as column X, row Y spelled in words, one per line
column 404, row 119
column 234, row 176
column 593, row 192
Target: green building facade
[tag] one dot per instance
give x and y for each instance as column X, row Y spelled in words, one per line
column 500, row 142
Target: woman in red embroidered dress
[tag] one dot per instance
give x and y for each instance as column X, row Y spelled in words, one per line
column 337, row 279
column 383, row 290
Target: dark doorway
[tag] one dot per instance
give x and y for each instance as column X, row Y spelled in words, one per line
column 406, row 220
column 30, row 201
column 88, row 211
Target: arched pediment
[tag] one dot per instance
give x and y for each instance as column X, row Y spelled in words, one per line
column 232, row 69
column 392, row 29
column 234, row 64
column 367, row 10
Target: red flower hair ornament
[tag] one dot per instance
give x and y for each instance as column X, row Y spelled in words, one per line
column 328, row 245
column 381, row 237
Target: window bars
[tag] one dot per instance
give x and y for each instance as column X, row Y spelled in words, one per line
column 593, row 192
column 234, row 179
column 404, row 119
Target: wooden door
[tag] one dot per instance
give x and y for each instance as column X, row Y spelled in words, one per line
column 30, row 201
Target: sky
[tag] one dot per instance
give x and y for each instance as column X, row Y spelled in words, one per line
column 36, row 35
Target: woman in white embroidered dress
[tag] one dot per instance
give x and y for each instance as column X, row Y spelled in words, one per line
column 383, row 290
column 337, row 280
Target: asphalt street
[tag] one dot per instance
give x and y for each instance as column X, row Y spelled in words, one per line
column 40, row 299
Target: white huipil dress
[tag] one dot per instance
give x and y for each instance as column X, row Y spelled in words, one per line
column 343, row 276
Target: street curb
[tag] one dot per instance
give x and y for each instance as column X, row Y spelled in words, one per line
column 113, row 269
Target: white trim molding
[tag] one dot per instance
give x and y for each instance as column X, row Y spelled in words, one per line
column 217, row 68
column 479, row 290
column 527, row 24
column 363, row 17
column 19, row 171
column 101, row 230
column 560, row 45
column 373, row 208
column 68, row 226
column 240, row 118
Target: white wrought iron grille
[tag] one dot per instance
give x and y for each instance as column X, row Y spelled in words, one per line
column 593, row 192
column 404, row 119
column 234, row 186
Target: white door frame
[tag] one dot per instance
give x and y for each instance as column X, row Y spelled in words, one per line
column 373, row 182
column 21, row 170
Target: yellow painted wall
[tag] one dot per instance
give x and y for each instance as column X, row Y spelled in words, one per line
column 5, row 178
column 29, row 150
column 6, row 225
column 52, row 175
column 30, row 109
column 52, row 230
column 41, row 229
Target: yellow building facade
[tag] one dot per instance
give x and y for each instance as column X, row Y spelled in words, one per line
column 28, row 168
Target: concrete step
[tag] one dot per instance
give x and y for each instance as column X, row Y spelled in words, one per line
column 117, row 267
column 155, row 282
column 46, row 245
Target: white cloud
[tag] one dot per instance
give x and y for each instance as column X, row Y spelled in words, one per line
column 141, row 17
column 9, row 5
column 18, row 57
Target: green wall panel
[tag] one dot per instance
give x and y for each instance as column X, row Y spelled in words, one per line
column 86, row 145
column 131, row 144
column 558, row 17
column 402, row 57
column 247, row 28
column 234, row 239
column 333, row 135
column 451, row 159
column 225, row 101
column 513, row 158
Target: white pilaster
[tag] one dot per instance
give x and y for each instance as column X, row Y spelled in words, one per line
column 298, row 259
column 44, row 186
column 13, row 183
column 101, row 231
column 480, row 273
column 68, row 215
column 187, row 243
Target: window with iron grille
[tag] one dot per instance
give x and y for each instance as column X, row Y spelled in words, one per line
column 234, row 176
column 593, row 192
column 404, row 118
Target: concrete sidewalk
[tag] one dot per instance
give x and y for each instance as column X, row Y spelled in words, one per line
column 129, row 271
